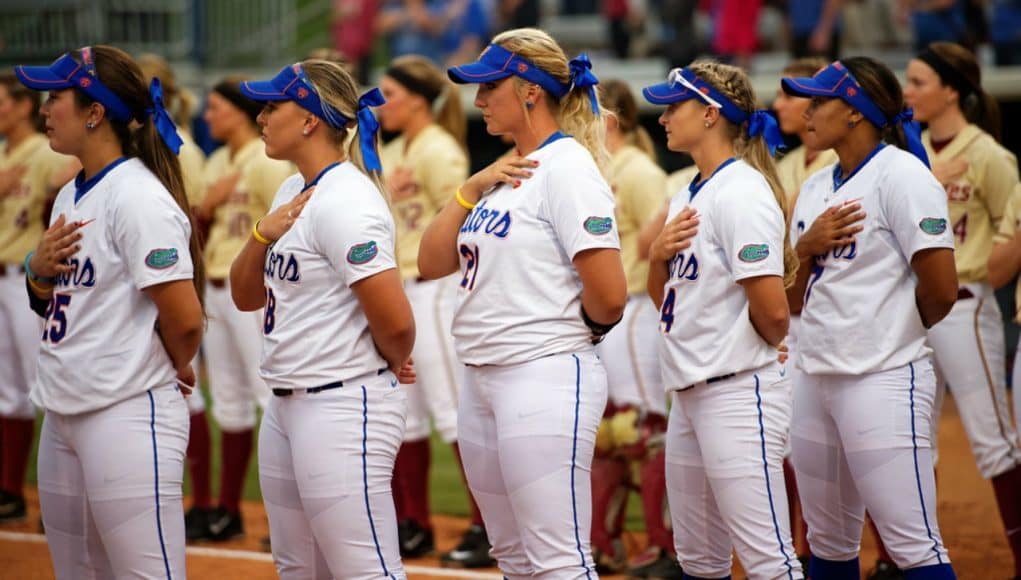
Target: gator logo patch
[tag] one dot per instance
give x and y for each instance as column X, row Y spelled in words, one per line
column 753, row 253
column 598, row 226
column 933, row 226
column 362, row 253
column 162, row 258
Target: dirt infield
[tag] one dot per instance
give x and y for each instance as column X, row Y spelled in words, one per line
column 967, row 515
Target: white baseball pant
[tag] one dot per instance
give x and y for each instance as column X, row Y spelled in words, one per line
column 233, row 351
column 968, row 348
column 439, row 372
column 527, row 434
column 864, row 442
column 325, row 463
column 724, row 472
column 20, row 330
column 110, row 488
column 632, row 360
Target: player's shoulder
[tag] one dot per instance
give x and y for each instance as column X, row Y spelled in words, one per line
column 896, row 167
column 740, row 181
column 349, row 190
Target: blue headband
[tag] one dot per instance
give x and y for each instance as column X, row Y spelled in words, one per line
column 292, row 84
column 683, row 84
column 496, row 62
column 835, row 81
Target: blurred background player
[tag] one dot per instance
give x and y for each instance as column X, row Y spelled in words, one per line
column 793, row 168
column 30, row 175
column 542, row 279
column 875, row 262
column 423, row 167
column 630, row 437
column 718, row 270
column 337, row 329
column 240, row 184
column 119, row 260
column 944, row 89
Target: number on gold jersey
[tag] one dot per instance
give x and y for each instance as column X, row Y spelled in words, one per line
column 239, row 225
column 961, row 229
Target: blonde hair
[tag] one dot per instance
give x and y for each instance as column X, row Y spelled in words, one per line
column 574, row 111
column 618, row 100
column 733, row 83
column 336, row 89
column 446, row 108
column 180, row 102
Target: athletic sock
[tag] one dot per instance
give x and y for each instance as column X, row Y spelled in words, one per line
column 17, row 446
column 412, row 467
column 237, row 450
column 609, row 475
column 833, row 570
column 1007, row 491
column 199, row 461
column 653, row 490
column 476, row 513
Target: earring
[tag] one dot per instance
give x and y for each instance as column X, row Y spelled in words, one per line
column 707, row 124
column 850, row 124
column 529, row 105
column 305, row 132
column 90, row 125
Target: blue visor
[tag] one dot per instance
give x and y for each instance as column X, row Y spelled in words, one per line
column 683, row 85
column 836, row 81
column 496, row 62
column 292, row 84
column 66, row 73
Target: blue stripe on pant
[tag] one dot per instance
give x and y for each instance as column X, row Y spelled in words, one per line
column 769, row 489
column 574, row 456
column 156, row 481
column 365, row 479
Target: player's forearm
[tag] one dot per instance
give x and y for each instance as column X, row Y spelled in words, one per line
column 396, row 343
column 658, row 275
column 936, row 291
column 181, row 338
column 437, row 253
column 1004, row 262
column 247, row 287
column 796, row 292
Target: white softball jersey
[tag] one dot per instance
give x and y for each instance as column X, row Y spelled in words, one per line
column 519, row 295
column 99, row 341
column 859, row 314
column 704, row 324
column 314, row 329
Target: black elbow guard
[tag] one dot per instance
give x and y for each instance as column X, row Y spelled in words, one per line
column 599, row 331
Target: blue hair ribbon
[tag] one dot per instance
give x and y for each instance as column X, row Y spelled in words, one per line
column 367, row 128
column 913, row 134
column 161, row 119
column 761, row 123
column 582, row 76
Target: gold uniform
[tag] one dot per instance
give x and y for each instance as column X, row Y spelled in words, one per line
column 977, row 197
column 793, row 169
column 193, row 163
column 1009, row 226
column 21, row 212
column 260, row 177
column 640, row 189
column 438, row 167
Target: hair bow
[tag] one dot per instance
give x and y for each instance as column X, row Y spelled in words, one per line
column 582, row 76
column 761, row 123
column 161, row 119
column 367, row 128
column 912, row 133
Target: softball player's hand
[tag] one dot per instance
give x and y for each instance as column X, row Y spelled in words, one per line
column 402, row 184
column 510, row 170
column 406, row 375
column 783, row 352
column 59, row 243
column 186, row 380
column 834, row 228
column 282, row 218
column 675, row 236
column 218, row 193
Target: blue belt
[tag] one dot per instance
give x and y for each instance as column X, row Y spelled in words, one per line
column 319, row 389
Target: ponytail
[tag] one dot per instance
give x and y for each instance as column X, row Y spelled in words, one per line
column 983, row 110
column 449, row 114
column 588, row 128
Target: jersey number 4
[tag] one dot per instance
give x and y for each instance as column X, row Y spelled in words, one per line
column 666, row 313
column 55, row 325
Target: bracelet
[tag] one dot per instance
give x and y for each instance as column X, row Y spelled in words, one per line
column 464, row 202
column 32, row 275
column 259, row 237
column 35, row 286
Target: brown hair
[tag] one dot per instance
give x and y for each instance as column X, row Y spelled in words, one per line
column 573, row 111
column 180, row 102
column 20, row 92
column 338, row 90
column 978, row 106
column 139, row 138
column 805, row 67
column 883, row 88
column 446, row 108
column 734, row 84
column 619, row 101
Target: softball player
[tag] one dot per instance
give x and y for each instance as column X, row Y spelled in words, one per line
column 119, row 260
column 717, row 272
column 541, row 275
column 635, row 418
column 1004, row 265
column 240, row 183
column 28, row 169
column 944, row 88
column 876, row 270
column 423, row 167
column 336, row 323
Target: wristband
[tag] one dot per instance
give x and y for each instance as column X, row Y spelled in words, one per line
column 259, row 237
column 32, row 275
column 464, row 202
column 598, row 330
column 35, row 286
